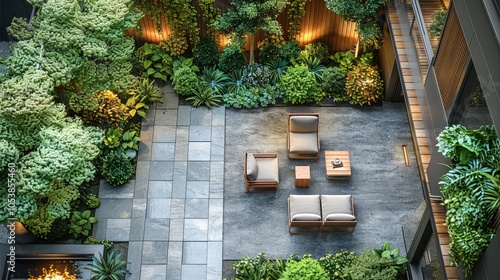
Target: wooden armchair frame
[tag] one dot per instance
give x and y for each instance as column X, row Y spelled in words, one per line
column 348, row 225
column 293, row 155
column 258, row 185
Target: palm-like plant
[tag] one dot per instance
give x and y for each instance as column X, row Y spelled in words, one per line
column 146, row 91
column 278, row 68
column 205, row 96
column 109, row 268
column 235, row 84
column 314, row 65
column 213, row 78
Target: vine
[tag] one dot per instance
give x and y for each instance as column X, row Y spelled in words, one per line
column 296, row 12
column 152, row 9
column 210, row 13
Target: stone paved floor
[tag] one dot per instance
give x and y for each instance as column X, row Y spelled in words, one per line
column 171, row 214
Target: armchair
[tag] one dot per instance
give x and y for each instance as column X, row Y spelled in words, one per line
column 260, row 172
column 303, row 136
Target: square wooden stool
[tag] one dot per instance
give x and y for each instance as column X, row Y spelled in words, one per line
column 302, row 176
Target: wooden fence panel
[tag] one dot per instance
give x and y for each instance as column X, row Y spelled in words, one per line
column 318, row 25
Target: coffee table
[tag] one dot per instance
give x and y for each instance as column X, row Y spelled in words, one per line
column 343, row 172
column 302, row 176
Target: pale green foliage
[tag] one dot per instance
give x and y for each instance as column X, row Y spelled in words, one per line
column 20, row 29
column 306, row 268
column 59, row 199
column 27, row 108
column 64, row 155
column 39, row 223
column 25, row 204
column 8, row 153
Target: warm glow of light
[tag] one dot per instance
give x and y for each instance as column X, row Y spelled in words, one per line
column 306, row 38
column 54, row 274
column 405, row 154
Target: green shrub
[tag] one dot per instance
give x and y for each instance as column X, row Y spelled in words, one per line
column 8, row 153
column 345, row 60
column 337, row 264
column 214, row 79
column 91, row 240
column 299, row 86
column 371, row 36
column 93, row 201
column 251, row 97
column 81, row 223
column 256, row 75
column 110, row 267
column 368, row 265
column 306, row 268
column 146, row 91
column 206, row 54
column 398, row 262
column 333, row 80
column 290, row 51
column 437, row 24
column 232, row 58
column 269, row 53
column 363, row 85
column 317, row 50
column 313, row 64
column 278, row 68
column 184, row 81
column 366, row 59
column 205, row 96
column 117, row 168
column 156, row 62
column 258, row 268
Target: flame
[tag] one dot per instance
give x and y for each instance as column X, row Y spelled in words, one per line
column 54, row 274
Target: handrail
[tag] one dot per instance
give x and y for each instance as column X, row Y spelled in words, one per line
column 417, row 13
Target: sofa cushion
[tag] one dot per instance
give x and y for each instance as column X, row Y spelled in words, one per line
column 335, row 204
column 304, row 204
column 252, row 167
column 303, row 124
column 306, row 217
column 268, row 169
column 340, row 217
column 303, row 143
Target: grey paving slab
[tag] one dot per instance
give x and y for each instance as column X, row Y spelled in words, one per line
column 182, row 143
column 164, row 133
column 137, row 229
column 146, row 142
column 124, row 191
column 190, row 272
column 166, row 117
column 184, row 115
column 195, row 229
column 174, row 263
column 197, row 189
column 114, row 208
column 216, row 173
column 180, row 179
column 199, row 151
column 215, row 219
column 161, row 170
column 142, row 179
column 139, row 208
column 160, row 189
column 163, row 151
column 99, row 228
column 199, row 171
column 216, row 190
column 219, row 115
column 156, row 229
column 177, row 208
column 194, row 253
column 200, row 133
column 176, row 230
column 150, row 117
column 171, row 100
column 214, row 261
column 201, row 116
column 154, row 272
column 197, row 208
column 134, row 259
column 217, row 144
column 154, row 252
column 158, row 208
column 118, row 230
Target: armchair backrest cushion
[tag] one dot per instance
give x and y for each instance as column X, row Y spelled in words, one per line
column 305, row 207
column 303, row 124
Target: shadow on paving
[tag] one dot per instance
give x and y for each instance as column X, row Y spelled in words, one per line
column 386, row 193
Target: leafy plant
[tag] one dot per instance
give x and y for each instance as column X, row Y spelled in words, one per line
column 93, row 201
column 235, row 84
column 81, row 223
column 299, row 86
column 146, row 91
column 363, row 85
column 214, row 79
column 20, row 29
column 93, row 241
column 398, row 262
column 437, row 24
column 318, row 50
column 256, row 75
column 269, row 47
column 278, row 68
column 336, row 265
column 205, row 96
column 370, row 265
column 306, row 268
column 296, row 11
column 111, row 267
column 130, row 140
column 113, row 138
column 184, row 62
column 184, row 81
column 156, row 62
column 371, row 36
column 109, row 112
column 333, row 80
column 366, row 59
column 258, row 268
column 206, row 54
column 345, row 60
column 232, row 58
column 290, row 51
column 136, row 107
column 313, row 64
column 117, row 168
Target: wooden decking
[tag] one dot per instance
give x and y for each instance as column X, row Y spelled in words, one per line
column 412, row 85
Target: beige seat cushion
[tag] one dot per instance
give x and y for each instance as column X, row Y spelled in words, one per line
column 336, row 204
column 305, row 207
column 340, row 217
column 303, row 124
column 267, row 169
column 304, row 143
column 252, row 167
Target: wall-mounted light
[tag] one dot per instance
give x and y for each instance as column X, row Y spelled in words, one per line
column 406, row 157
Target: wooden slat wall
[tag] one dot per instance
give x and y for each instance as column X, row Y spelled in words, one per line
column 451, row 60
column 318, row 25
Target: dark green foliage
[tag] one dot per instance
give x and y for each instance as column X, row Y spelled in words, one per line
column 269, row 53
column 398, row 262
column 214, row 79
column 437, row 24
column 371, row 36
column 258, row 268
column 111, row 267
column 333, row 80
column 252, row 97
column 146, row 91
column 313, row 64
column 336, row 265
column 59, row 228
column 205, row 95
column 278, row 69
column 318, row 50
column 185, row 81
column 232, row 58
column 117, row 168
column 93, row 201
column 156, row 62
column 92, row 240
column 206, row 53
column 300, row 86
column 369, row 265
column 81, row 223
column 306, row 268
column 290, row 51
column 256, row 75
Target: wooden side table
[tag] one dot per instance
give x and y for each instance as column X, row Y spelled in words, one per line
column 302, row 176
column 343, row 172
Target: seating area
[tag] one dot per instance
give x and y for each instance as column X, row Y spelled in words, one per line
column 261, row 172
